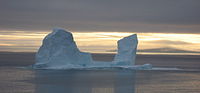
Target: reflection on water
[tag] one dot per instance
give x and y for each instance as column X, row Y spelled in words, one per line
column 16, row 80
column 85, row 81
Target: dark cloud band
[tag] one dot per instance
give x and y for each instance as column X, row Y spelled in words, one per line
column 177, row 16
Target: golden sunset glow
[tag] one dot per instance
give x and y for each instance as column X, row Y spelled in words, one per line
column 104, row 42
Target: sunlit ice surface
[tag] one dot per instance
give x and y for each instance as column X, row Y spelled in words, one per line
column 106, row 42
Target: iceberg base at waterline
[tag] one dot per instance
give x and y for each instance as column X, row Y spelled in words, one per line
column 59, row 51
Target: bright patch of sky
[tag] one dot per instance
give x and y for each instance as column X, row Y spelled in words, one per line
column 106, row 42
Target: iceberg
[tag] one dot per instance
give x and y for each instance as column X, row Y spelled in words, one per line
column 127, row 48
column 59, row 51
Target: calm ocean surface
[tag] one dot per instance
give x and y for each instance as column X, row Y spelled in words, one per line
column 18, row 80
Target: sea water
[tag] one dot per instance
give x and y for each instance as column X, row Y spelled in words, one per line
column 19, row 80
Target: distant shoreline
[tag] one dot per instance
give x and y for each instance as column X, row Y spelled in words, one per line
column 164, row 54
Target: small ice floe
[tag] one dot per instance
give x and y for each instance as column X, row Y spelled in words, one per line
column 167, row 69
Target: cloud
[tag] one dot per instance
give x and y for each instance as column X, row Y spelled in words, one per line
column 167, row 50
column 169, row 42
column 161, row 50
column 179, row 16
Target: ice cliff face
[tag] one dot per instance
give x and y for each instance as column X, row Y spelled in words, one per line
column 127, row 48
column 59, row 50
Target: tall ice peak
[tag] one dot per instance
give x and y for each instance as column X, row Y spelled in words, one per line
column 60, row 50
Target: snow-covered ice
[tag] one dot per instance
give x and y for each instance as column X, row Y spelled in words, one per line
column 59, row 51
column 127, row 48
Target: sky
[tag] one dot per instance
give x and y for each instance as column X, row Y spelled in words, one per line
column 177, row 16
column 166, row 25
